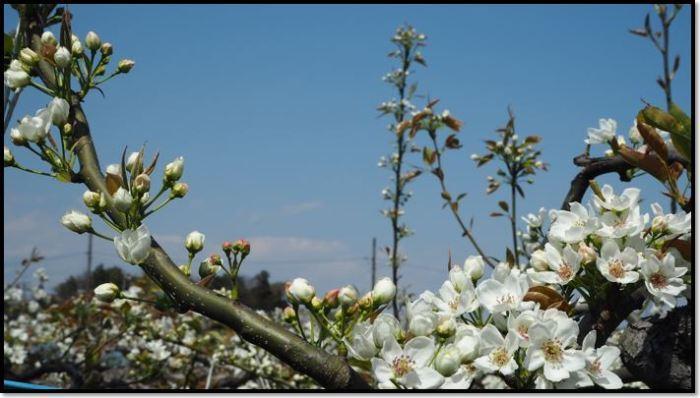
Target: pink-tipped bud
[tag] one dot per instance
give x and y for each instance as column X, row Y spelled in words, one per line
column 331, row 298
column 215, row 259
column 227, row 247
column 242, row 246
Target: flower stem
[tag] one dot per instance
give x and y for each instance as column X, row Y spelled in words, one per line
column 100, row 235
column 41, row 88
column 28, row 170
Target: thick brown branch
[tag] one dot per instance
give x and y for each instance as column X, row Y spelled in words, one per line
column 659, row 351
column 328, row 370
column 595, row 167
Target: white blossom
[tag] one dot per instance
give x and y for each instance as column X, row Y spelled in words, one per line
column 550, row 348
column 35, row 128
column 563, row 267
column 662, row 278
column 497, row 352
column 604, row 133
column 383, row 292
column 503, row 296
column 574, row 225
column 407, row 366
column 133, row 246
column 77, row 222
column 618, row 266
column 301, row 290
column 194, row 242
column 15, row 76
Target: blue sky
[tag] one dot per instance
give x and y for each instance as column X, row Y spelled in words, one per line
column 273, row 108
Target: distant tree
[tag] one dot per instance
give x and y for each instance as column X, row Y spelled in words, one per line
column 100, row 275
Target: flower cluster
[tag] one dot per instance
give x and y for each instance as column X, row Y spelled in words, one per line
column 128, row 344
column 520, row 323
column 327, row 321
column 69, row 57
column 611, row 241
column 652, row 151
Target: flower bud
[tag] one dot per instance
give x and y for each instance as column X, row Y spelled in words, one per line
column 179, row 190
column 365, row 302
column 106, row 49
column 77, row 222
column 206, row 268
column 107, row 292
column 383, row 292
column 301, row 290
column 290, row 298
column 458, row 278
column 91, row 199
column 114, row 169
column 215, row 259
column 474, row 267
column 17, row 137
column 501, row 271
column 92, row 41
column 174, row 169
column 47, row 38
column 62, row 57
column 125, row 65
column 60, row 109
column 446, row 328
column 8, row 157
column 122, row 200
column 100, row 70
column 131, row 161
column 352, row 310
column 447, row 361
column 330, row 300
column 538, row 260
column 289, row 315
column 242, row 246
column 16, row 75
column 194, row 242
column 347, row 296
column 76, row 48
column 29, row 57
column 185, row 268
column 316, row 304
column 67, row 130
column 658, row 225
column 227, row 247
column 142, row 183
column 588, row 255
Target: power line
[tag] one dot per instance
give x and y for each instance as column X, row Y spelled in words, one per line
column 315, row 261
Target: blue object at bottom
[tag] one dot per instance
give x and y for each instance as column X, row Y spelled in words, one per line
column 27, row 386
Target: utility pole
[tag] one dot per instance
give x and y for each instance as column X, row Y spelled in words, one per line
column 88, row 276
column 374, row 262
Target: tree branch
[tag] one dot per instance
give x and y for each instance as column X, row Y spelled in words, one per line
column 659, row 351
column 328, row 370
column 595, row 167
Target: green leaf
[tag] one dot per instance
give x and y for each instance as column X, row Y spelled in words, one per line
column 9, row 44
column 677, row 123
column 412, row 90
column 683, row 140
